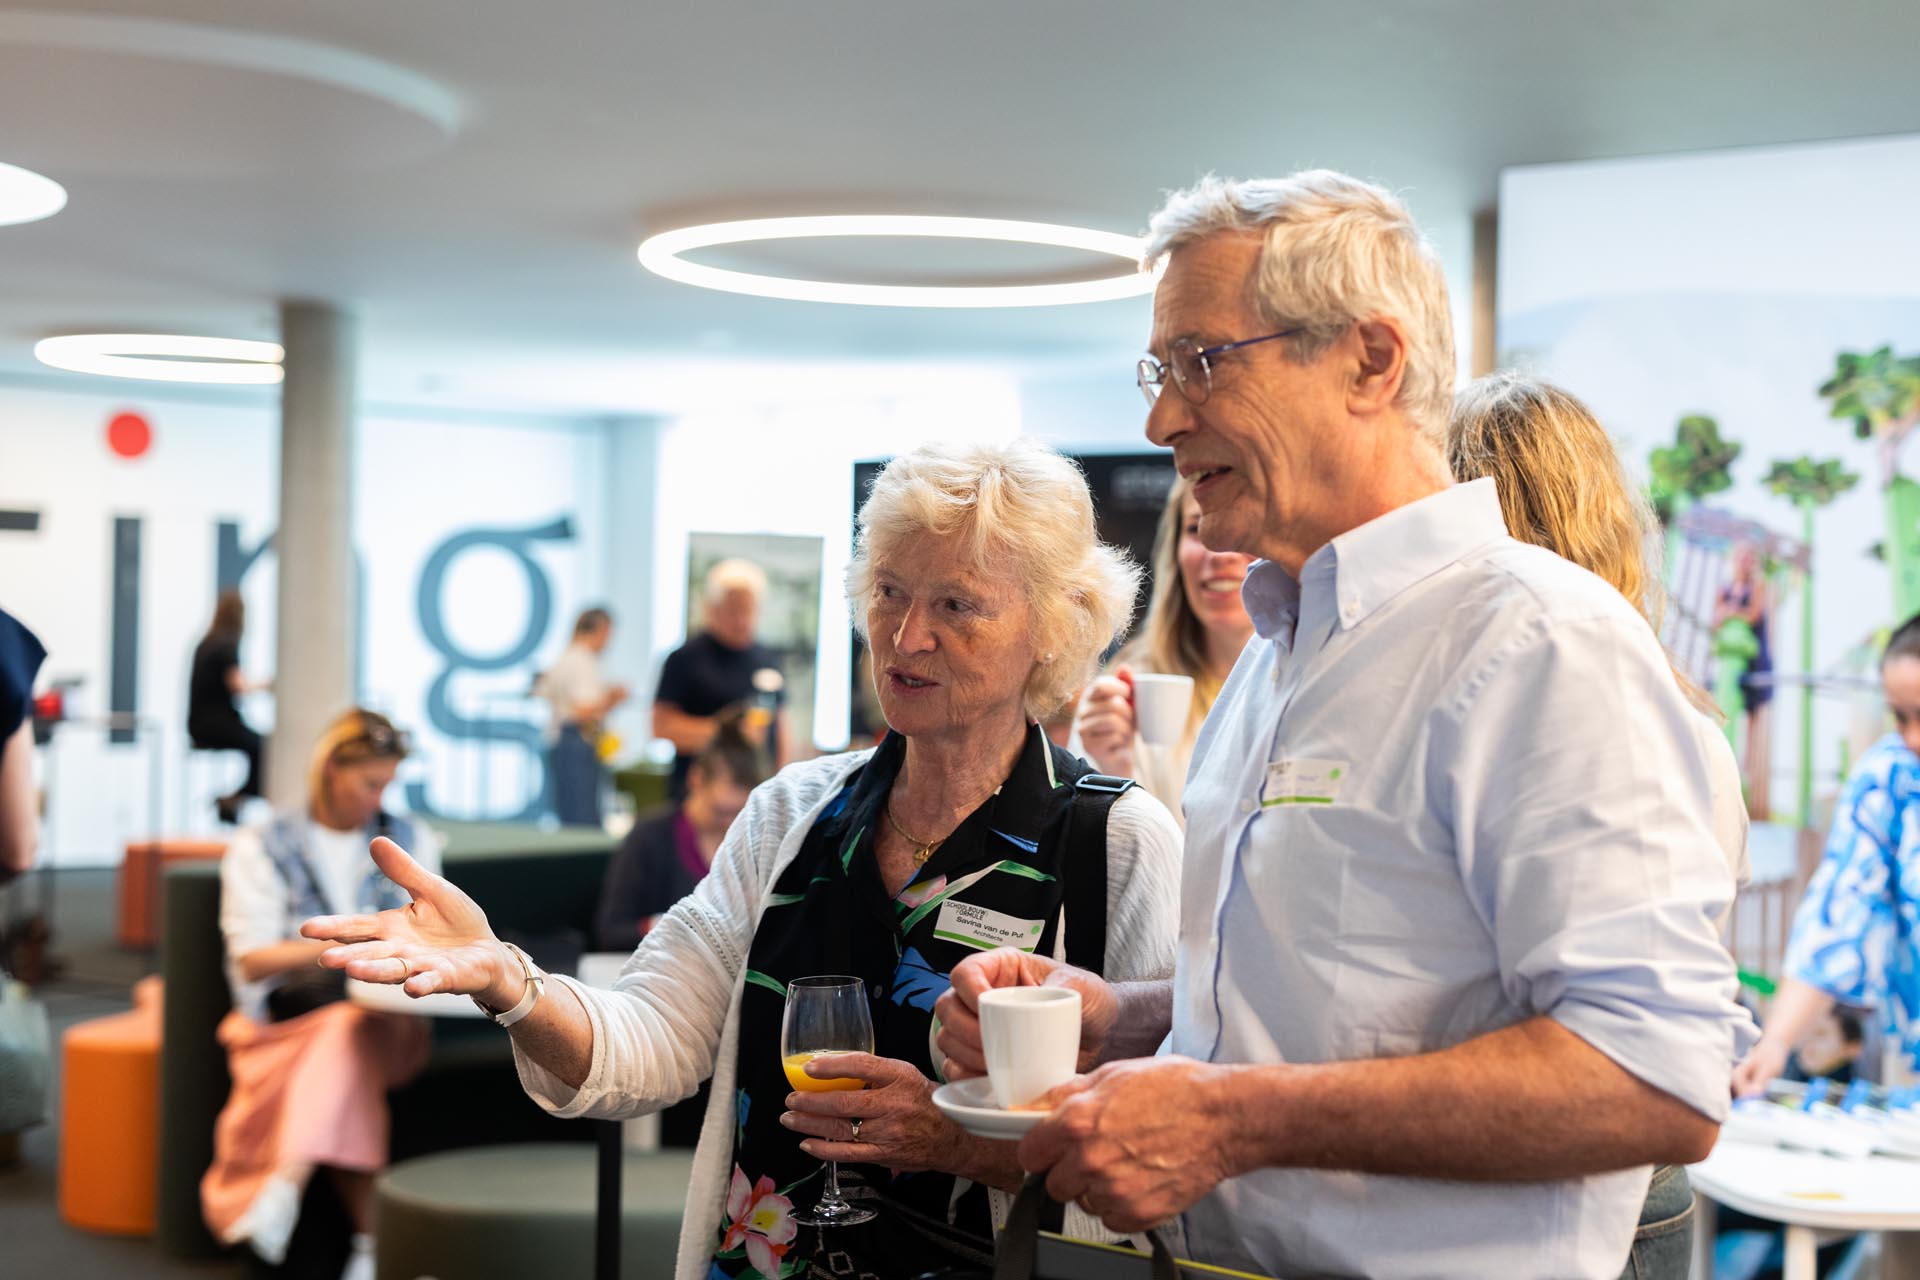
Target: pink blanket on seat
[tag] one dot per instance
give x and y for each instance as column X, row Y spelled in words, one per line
column 307, row 1092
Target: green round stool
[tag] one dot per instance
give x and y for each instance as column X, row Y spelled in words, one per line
column 525, row 1210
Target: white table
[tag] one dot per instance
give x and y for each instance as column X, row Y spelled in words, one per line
column 597, row 969
column 1808, row 1193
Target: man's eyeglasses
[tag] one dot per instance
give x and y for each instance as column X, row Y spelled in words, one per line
column 1191, row 367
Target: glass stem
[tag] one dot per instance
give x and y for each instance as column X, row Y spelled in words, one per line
column 831, row 1196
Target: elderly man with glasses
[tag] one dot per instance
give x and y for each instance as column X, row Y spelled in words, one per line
column 1448, row 981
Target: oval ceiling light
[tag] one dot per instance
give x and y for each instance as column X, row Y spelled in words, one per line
column 660, row 254
column 26, row 196
column 165, row 357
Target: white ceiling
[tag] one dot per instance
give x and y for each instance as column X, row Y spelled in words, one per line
column 470, row 177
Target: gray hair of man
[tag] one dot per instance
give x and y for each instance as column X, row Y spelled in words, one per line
column 733, row 575
column 1336, row 251
column 1023, row 511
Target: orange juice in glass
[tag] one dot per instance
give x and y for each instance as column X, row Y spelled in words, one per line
column 824, row 1015
column 795, row 1065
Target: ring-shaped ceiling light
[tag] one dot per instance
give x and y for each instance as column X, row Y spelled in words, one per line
column 26, row 196
column 165, row 357
column 660, row 254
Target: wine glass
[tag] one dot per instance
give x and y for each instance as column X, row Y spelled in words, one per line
column 826, row 1015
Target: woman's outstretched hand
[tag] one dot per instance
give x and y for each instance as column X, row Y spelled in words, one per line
column 438, row 942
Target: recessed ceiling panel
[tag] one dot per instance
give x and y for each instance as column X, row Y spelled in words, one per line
column 106, row 94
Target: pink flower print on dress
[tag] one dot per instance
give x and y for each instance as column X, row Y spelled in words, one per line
column 918, row 895
column 762, row 1219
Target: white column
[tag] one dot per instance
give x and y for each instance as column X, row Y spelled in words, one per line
column 314, row 673
column 633, row 447
column 1485, row 351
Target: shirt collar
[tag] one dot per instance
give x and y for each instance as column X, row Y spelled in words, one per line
column 1388, row 554
column 1371, row 564
column 1272, row 598
column 1018, row 810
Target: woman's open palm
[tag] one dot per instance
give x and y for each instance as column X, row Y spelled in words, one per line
column 438, row 942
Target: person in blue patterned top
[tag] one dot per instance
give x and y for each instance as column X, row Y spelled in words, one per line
column 1854, row 936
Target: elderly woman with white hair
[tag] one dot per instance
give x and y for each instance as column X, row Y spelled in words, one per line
column 987, row 598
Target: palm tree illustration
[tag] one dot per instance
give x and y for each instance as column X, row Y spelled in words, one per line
column 1809, row 484
column 1879, row 393
column 1698, row 463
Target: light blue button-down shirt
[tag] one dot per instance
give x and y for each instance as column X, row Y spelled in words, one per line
column 1451, row 785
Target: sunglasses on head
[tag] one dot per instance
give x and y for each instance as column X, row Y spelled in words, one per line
column 380, row 740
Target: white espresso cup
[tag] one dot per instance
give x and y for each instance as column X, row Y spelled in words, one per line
column 1031, row 1038
column 1160, row 707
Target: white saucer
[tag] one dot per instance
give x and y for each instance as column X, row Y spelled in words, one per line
column 971, row 1105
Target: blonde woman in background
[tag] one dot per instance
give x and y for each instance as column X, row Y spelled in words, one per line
column 1562, row 487
column 310, row 1070
column 1195, row 626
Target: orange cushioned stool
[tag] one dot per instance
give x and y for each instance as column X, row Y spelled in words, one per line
column 141, row 873
column 110, row 1117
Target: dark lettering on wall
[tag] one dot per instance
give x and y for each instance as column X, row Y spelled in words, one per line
column 123, row 665
column 19, row 521
column 231, row 560
column 440, row 710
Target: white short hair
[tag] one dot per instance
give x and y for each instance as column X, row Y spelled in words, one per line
column 733, row 575
column 1336, row 250
column 1022, row 510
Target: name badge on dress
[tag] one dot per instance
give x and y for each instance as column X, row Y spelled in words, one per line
column 1303, row 782
column 984, row 929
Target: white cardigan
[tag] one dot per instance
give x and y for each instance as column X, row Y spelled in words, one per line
column 673, row 1017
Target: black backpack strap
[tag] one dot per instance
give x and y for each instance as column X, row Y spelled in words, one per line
column 1083, row 856
column 1085, row 850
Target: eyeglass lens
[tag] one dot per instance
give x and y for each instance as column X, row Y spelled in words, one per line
column 1186, row 367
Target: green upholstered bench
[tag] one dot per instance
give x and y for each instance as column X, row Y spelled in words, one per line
column 525, row 1210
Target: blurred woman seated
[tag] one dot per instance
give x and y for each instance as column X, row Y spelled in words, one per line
column 310, row 1071
column 665, row 855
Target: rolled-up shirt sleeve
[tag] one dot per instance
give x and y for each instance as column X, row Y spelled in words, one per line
column 1582, row 808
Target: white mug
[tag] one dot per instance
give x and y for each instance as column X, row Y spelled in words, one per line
column 1161, row 705
column 1031, row 1038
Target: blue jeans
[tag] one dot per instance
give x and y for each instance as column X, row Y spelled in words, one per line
column 1663, row 1246
column 574, row 777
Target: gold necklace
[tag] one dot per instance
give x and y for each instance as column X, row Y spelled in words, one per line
column 924, row 848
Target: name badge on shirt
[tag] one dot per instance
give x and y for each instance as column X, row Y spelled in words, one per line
column 1303, row 782
column 984, row 929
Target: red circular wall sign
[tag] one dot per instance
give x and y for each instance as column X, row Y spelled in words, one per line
column 129, row 435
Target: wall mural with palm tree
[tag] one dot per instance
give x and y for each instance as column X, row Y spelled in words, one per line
column 1752, row 341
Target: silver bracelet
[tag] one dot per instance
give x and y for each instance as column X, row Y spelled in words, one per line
column 536, row 980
